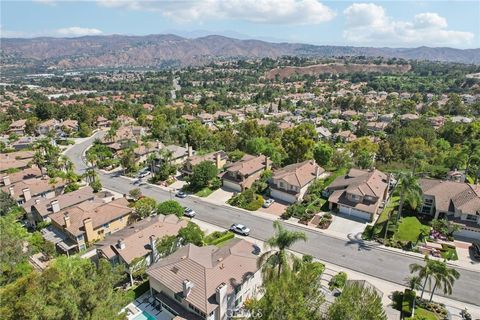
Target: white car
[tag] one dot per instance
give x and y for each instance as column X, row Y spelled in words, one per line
column 268, row 203
column 144, row 174
column 189, row 213
column 240, row 229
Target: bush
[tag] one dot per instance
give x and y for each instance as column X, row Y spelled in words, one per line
column 338, row 280
column 248, row 200
column 218, row 237
column 407, row 303
column 170, row 207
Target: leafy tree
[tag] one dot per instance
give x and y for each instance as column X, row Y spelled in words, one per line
column 357, row 302
column 191, row 234
column 298, row 142
column 84, row 130
column 128, row 161
column 70, row 288
column 137, row 269
column 166, row 245
column 203, row 173
column 278, row 258
column 6, row 203
column 145, row 207
column 295, row 294
column 170, row 207
column 322, row 153
column 135, row 193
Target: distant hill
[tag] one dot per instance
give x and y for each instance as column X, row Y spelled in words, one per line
column 165, row 50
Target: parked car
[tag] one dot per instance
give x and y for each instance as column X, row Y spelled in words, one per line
column 240, row 229
column 189, row 213
column 143, row 174
column 268, row 203
column 181, row 194
column 475, row 248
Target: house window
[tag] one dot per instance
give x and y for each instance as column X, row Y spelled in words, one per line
column 281, row 184
column 106, row 225
column 471, row 217
column 80, row 238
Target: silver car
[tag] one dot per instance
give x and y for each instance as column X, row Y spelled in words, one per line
column 189, row 213
column 240, row 229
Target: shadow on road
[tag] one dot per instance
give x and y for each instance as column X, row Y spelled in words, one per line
column 356, row 240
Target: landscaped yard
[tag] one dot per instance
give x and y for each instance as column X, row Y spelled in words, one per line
column 205, row 192
column 391, row 205
column 422, row 314
column 409, row 229
column 449, row 252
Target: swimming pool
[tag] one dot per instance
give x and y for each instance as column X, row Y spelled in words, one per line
column 144, row 316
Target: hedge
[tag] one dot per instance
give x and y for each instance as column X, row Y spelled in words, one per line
column 407, row 303
column 227, row 236
column 338, row 280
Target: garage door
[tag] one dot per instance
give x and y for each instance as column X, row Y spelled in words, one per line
column 467, row 234
column 231, row 185
column 354, row 212
column 282, row 196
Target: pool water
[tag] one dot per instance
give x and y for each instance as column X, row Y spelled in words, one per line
column 144, row 316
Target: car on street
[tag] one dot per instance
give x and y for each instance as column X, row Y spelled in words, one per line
column 181, row 194
column 268, row 203
column 240, row 229
column 189, row 212
column 475, row 249
column 143, row 174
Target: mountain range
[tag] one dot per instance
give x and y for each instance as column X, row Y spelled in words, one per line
column 153, row 51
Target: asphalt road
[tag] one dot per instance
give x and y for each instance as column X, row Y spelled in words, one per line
column 354, row 254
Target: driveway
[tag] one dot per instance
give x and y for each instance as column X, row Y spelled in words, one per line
column 220, row 196
column 343, row 226
column 275, row 208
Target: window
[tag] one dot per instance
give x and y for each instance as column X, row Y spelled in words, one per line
column 106, row 225
column 471, row 217
column 80, row 238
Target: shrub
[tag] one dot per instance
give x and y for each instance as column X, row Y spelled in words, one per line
column 248, row 200
column 338, row 280
column 224, row 236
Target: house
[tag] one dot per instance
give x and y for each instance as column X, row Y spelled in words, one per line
column 144, row 150
column 48, row 126
column 437, row 122
column 189, row 117
column 461, row 119
column 408, row 117
column 206, row 282
column 125, row 120
column 345, row 136
column 70, row 126
column 25, row 192
column 222, row 115
column 388, row 117
column 26, row 142
column 42, row 208
column 15, row 160
column 377, row 126
column 290, row 183
column 137, row 240
column 178, row 154
column 218, row 158
column 458, row 202
column 323, row 133
column 349, row 114
column 124, row 136
column 359, row 193
column 90, row 221
column 102, row 123
column 17, row 127
column 7, row 179
column 206, row 118
column 241, row 174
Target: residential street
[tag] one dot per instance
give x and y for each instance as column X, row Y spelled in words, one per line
column 354, row 254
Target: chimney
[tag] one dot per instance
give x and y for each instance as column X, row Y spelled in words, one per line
column 154, row 253
column 317, row 171
column 187, row 288
column 55, row 206
column 218, row 159
column 26, row 194
column 6, row 180
column 221, row 298
column 12, row 191
column 190, row 151
column 267, row 165
column 66, row 219
column 88, row 227
column 121, row 244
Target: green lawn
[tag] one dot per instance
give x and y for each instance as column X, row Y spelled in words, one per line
column 423, row 314
column 205, row 192
column 409, row 229
column 391, row 205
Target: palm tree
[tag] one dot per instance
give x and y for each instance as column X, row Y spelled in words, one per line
column 279, row 258
column 424, row 272
column 409, row 190
column 444, row 277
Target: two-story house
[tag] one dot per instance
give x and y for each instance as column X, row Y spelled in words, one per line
column 359, row 193
column 241, row 174
column 290, row 183
column 47, row 126
column 458, row 202
column 138, row 240
column 91, row 221
column 17, row 127
column 206, row 282
column 218, row 158
column 25, row 192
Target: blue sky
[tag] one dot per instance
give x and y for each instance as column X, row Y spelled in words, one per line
column 378, row 23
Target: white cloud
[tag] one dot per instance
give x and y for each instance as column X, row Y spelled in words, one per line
column 260, row 11
column 368, row 23
column 78, row 31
